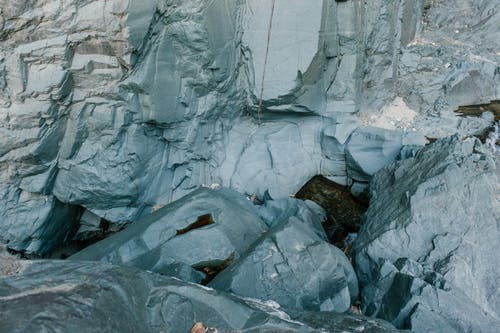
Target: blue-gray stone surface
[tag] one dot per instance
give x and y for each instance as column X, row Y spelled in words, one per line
column 168, row 242
column 63, row 297
column 294, row 267
column 115, row 107
column 427, row 253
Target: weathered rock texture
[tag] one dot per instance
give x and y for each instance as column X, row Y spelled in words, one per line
column 97, row 297
column 426, row 254
column 210, row 232
column 201, row 230
column 115, row 107
column 294, row 267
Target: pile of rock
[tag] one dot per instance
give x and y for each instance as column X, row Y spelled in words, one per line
column 274, row 257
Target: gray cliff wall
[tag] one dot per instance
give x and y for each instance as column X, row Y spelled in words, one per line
column 115, row 107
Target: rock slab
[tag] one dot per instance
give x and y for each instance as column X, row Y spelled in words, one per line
column 100, row 297
column 427, row 253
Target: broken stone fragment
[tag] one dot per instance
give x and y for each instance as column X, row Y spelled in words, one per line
column 201, row 232
column 294, row 267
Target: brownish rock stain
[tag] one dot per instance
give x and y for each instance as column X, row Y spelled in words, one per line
column 343, row 211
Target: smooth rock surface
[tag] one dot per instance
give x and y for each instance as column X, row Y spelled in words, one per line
column 427, row 252
column 369, row 149
column 98, row 297
column 294, row 267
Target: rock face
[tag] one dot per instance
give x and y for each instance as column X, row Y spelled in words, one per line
column 426, row 252
column 98, row 297
column 128, row 105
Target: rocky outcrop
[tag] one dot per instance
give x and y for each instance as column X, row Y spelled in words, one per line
column 117, row 112
column 425, row 254
column 99, row 297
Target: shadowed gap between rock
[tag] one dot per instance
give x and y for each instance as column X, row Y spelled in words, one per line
column 343, row 210
column 478, row 109
column 200, row 222
column 213, row 268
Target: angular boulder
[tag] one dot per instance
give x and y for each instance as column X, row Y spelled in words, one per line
column 273, row 212
column 201, row 231
column 427, row 254
column 293, row 266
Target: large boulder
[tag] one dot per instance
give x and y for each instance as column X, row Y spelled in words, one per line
column 293, row 266
column 203, row 229
column 427, row 253
column 100, row 297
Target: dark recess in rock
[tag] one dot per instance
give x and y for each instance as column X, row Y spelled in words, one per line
column 213, row 268
column 343, row 210
column 478, row 109
column 202, row 221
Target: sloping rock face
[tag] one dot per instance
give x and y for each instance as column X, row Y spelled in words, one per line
column 294, row 267
column 115, row 107
column 202, row 229
column 426, row 252
column 98, row 297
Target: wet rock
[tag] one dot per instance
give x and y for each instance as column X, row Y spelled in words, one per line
column 343, row 211
column 426, row 253
column 291, row 265
column 198, row 232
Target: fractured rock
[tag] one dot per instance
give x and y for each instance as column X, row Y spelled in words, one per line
column 200, row 231
column 294, row 267
column 100, row 297
column 427, row 253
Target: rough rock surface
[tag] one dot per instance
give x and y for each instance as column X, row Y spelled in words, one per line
column 294, row 267
column 426, row 253
column 98, row 297
column 218, row 233
column 201, row 230
column 115, row 107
